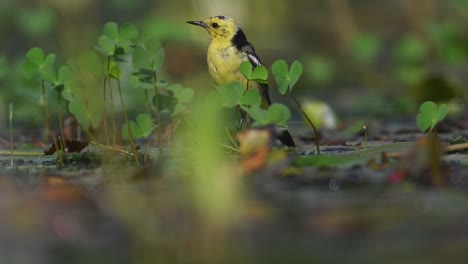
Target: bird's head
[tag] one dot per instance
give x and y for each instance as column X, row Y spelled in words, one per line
column 218, row 26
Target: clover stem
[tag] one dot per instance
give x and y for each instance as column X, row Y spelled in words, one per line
column 60, row 117
column 48, row 125
column 114, row 126
column 317, row 139
column 247, row 117
column 104, row 117
column 130, row 134
column 365, row 136
column 156, row 107
column 11, row 134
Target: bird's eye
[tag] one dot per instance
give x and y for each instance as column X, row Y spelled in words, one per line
column 215, row 25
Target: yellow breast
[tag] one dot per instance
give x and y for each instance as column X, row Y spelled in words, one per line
column 224, row 62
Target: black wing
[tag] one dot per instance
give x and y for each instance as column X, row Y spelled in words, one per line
column 255, row 61
column 240, row 42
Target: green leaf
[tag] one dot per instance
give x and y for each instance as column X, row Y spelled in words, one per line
column 256, row 113
column 117, row 41
column 65, row 80
column 142, row 128
column 259, row 74
column 95, row 109
column 78, row 109
column 87, row 109
column 280, row 71
column 35, row 55
column 64, row 74
column 107, row 45
column 231, row 93
column 128, row 31
column 136, row 133
column 145, row 124
column 153, row 45
column 441, row 113
column 30, row 69
column 278, row 114
column 295, row 73
column 36, row 63
column 150, row 56
column 140, row 57
column 137, row 81
column 251, row 97
column 73, row 90
column 183, row 96
column 246, row 69
column 280, row 68
column 111, row 30
column 114, row 70
column 429, row 115
column 47, row 70
column 165, row 102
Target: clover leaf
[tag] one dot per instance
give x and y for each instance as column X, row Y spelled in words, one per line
column 429, row 115
column 258, row 74
column 286, row 78
column 142, row 128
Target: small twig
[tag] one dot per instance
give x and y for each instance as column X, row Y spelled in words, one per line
column 93, row 141
column 456, row 147
column 451, row 148
column 112, row 149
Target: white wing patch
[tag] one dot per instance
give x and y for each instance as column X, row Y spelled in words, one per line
column 253, row 59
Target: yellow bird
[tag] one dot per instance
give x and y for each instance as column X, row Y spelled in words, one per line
column 228, row 49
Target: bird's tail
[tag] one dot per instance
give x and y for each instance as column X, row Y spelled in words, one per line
column 286, row 138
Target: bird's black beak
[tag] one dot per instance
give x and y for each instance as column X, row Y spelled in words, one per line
column 197, row 23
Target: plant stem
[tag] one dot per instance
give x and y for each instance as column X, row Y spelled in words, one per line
column 147, row 106
column 156, row 108
column 317, row 140
column 114, row 126
column 104, row 117
column 11, row 134
column 93, row 140
column 130, row 134
column 49, row 127
column 247, row 116
column 62, row 134
column 365, row 136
